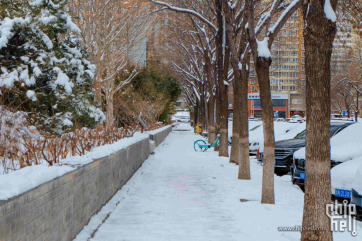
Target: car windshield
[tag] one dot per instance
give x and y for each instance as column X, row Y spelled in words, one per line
column 254, row 128
column 302, row 134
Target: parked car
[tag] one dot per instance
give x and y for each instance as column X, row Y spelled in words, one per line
column 356, row 193
column 285, row 149
column 342, row 177
column 345, row 146
column 183, row 119
column 254, row 145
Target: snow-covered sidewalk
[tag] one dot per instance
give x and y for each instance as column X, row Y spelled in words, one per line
column 180, row 194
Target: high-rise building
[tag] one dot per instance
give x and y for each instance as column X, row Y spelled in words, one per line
column 287, row 72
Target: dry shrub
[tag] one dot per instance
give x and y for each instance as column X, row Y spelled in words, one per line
column 21, row 145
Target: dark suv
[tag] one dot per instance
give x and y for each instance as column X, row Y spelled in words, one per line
column 297, row 168
column 285, row 149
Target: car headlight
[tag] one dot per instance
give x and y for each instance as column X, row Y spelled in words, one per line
column 256, row 144
column 249, row 144
column 300, row 163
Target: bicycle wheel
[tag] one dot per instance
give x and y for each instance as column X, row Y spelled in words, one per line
column 197, row 146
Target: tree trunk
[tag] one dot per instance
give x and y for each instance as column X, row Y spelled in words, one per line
column 318, row 39
column 262, row 72
column 240, row 118
column 211, row 110
column 109, row 105
column 217, row 119
column 234, row 152
column 222, row 59
column 262, row 65
column 244, row 163
column 200, row 120
column 196, row 107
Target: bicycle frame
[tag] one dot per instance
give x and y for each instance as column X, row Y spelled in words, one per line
column 208, row 146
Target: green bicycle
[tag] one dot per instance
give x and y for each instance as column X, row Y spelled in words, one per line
column 200, row 145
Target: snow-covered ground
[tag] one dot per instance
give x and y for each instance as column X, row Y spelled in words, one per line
column 180, row 194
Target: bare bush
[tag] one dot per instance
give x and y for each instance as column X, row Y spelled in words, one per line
column 21, row 145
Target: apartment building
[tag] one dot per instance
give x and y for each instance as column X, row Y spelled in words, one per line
column 287, row 72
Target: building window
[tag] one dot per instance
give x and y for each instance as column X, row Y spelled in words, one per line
column 257, row 104
column 278, row 103
column 293, row 88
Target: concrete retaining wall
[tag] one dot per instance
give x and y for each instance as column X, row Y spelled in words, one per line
column 59, row 209
column 160, row 136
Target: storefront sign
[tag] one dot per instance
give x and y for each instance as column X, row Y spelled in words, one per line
column 274, row 96
column 297, row 101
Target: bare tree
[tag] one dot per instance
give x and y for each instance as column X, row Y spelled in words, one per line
column 111, row 29
column 262, row 61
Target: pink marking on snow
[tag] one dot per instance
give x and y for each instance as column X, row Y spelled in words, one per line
column 181, row 184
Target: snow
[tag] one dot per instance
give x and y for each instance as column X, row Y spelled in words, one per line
column 183, row 127
column 106, row 150
column 342, row 175
column 182, row 114
column 292, row 4
column 37, row 71
column 70, row 25
column 67, row 122
column 25, row 59
column 63, row 80
column 328, row 10
column 47, row 20
column 251, row 125
column 24, row 76
column 154, row 132
column 180, row 194
column 31, row 95
column 263, row 50
column 7, row 79
column 345, row 146
column 282, row 131
column 27, row 178
column 6, row 27
column 357, row 181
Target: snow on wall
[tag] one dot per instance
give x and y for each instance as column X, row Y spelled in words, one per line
column 160, row 134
